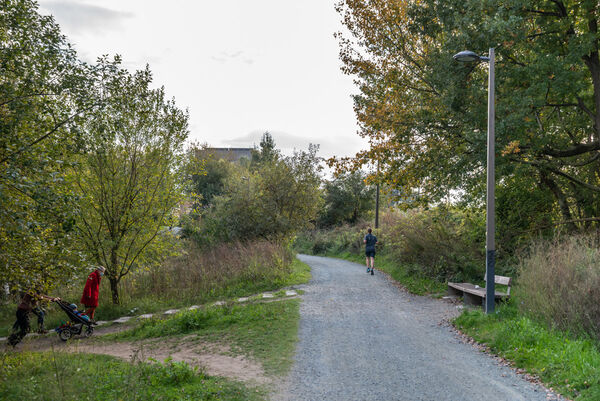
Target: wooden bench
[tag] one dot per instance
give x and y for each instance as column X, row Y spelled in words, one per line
column 474, row 295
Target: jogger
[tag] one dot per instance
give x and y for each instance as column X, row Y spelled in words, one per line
column 370, row 241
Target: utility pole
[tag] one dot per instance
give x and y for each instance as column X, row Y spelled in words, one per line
column 490, row 246
column 490, row 219
column 377, row 200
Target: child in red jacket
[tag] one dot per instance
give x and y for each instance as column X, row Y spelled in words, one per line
column 90, row 293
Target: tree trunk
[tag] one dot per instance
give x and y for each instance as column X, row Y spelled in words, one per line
column 114, row 289
column 114, row 278
column 561, row 198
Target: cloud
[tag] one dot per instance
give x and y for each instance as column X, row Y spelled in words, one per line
column 288, row 142
column 82, row 18
column 225, row 57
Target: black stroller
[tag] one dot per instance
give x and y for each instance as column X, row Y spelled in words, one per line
column 78, row 324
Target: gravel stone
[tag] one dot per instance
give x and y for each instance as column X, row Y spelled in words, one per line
column 363, row 338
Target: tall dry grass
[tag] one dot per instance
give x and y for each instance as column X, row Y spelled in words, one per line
column 559, row 283
column 222, row 270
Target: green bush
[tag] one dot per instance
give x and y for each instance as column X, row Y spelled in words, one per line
column 443, row 244
column 169, row 373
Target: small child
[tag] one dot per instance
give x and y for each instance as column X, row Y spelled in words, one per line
column 78, row 313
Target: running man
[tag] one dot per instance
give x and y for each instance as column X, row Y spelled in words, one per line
column 370, row 241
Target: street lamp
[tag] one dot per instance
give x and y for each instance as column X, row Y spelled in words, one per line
column 490, row 248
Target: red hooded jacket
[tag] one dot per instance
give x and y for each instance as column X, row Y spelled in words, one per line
column 90, row 292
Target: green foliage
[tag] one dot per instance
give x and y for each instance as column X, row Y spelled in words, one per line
column 426, row 114
column 42, row 94
column 127, row 180
column 266, row 331
column 571, row 366
column 347, row 199
column 272, row 200
column 209, row 177
column 559, row 284
column 76, row 376
column 442, row 243
column 267, row 153
column 169, row 373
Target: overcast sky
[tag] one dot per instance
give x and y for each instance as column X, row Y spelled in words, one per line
column 241, row 67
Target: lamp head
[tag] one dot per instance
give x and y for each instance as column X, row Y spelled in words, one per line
column 467, row 56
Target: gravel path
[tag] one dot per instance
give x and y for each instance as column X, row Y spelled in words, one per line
column 362, row 338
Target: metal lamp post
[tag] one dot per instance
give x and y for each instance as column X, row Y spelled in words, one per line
column 490, row 247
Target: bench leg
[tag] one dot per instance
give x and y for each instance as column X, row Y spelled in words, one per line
column 454, row 291
column 471, row 299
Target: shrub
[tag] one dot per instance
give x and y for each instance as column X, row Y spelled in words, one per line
column 168, row 372
column 440, row 243
column 559, row 284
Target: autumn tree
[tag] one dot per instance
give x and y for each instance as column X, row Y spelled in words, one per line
column 425, row 115
column 127, row 179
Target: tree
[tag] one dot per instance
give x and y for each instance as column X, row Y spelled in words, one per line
column 347, row 198
column 42, row 97
column 272, row 202
column 128, row 180
column 208, row 177
column 266, row 153
column 425, row 115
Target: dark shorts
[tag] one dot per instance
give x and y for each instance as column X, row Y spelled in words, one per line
column 370, row 254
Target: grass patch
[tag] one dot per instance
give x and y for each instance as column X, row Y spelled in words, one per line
column 413, row 282
column 567, row 364
column 300, row 273
column 265, row 331
column 58, row 376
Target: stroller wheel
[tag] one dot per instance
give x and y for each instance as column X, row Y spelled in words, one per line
column 65, row 334
column 89, row 331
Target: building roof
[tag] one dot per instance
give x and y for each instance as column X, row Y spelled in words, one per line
column 231, row 154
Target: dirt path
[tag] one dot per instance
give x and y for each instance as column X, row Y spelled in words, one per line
column 213, row 359
column 363, row 338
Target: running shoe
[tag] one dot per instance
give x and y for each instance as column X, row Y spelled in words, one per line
column 372, row 274
column 368, row 270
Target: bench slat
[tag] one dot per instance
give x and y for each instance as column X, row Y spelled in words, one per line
column 503, row 280
column 475, row 290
